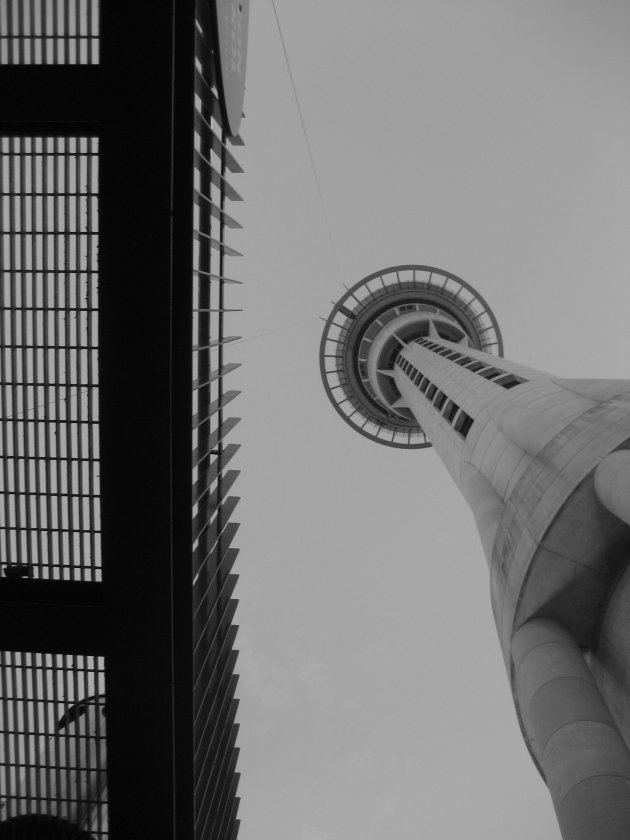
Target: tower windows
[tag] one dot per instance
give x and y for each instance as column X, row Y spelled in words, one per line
column 508, row 381
column 462, row 423
column 451, row 412
column 490, row 373
column 440, row 399
column 503, row 378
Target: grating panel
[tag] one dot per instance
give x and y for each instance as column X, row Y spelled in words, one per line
column 52, row 722
column 49, row 32
column 49, row 485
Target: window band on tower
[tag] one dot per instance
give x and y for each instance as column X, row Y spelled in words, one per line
column 501, row 377
column 452, row 413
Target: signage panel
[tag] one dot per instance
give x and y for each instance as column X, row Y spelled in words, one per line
column 231, row 25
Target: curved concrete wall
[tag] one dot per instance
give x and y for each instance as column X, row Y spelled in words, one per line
column 526, row 468
column 558, row 550
column 552, row 547
column 583, row 756
column 611, row 656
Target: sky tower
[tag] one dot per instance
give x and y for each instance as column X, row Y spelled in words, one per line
column 411, row 357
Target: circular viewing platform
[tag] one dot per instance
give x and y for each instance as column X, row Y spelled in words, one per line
column 362, row 315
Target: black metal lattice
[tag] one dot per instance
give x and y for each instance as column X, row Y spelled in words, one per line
column 49, row 32
column 49, row 481
column 52, row 739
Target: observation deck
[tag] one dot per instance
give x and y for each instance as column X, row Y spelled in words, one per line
column 373, row 320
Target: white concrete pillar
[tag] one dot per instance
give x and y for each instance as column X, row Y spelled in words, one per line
column 612, row 483
column 486, row 505
column 583, row 756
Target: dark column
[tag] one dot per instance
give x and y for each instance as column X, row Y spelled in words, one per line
column 145, row 368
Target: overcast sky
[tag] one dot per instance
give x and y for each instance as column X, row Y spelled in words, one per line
column 490, row 138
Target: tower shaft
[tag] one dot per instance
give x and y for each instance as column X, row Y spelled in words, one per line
column 544, row 464
column 504, row 432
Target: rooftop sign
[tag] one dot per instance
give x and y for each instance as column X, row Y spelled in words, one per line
column 231, row 23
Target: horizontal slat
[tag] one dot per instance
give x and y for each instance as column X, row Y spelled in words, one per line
column 214, row 753
column 221, row 183
column 208, row 442
column 208, row 97
column 204, row 584
column 216, row 805
column 203, row 200
column 210, row 474
column 226, row 340
column 217, row 277
column 207, row 716
column 219, row 806
column 201, row 488
column 216, row 244
column 214, row 406
column 221, row 689
column 205, row 677
column 206, row 523
column 215, row 375
column 204, row 459
column 205, row 132
column 228, row 807
column 216, row 781
column 211, row 713
column 209, row 529
column 217, row 659
column 204, row 552
column 217, row 309
column 206, row 621
column 210, row 728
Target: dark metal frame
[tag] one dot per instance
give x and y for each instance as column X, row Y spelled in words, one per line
column 171, row 750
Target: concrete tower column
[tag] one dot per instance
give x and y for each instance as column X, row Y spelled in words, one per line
column 612, row 483
column 583, row 756
column 412, row 357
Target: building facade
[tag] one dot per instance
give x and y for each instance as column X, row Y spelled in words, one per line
column 411, row 357
column 119, row 125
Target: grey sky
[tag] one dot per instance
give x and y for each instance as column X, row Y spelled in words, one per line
column 490, row 139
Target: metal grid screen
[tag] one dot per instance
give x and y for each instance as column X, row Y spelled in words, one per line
column 49, row 490
column 213, row 556
column 49, row 32
column 52, row 740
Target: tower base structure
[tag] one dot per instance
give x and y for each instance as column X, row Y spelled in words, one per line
column 411, row 357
